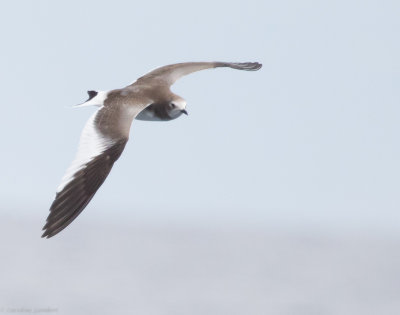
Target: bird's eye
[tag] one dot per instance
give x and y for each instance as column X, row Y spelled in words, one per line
column 172, row 105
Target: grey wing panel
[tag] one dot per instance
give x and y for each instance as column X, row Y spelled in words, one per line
column 169, row 74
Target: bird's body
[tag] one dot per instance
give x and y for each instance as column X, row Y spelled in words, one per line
column 106, row 133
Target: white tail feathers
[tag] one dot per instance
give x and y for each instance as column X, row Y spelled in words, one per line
column 96, row 98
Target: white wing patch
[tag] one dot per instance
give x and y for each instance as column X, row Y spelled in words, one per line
column 91, row 144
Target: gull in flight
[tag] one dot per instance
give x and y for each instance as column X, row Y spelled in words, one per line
column 106, row 133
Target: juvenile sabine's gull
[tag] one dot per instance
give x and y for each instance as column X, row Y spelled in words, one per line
column 106, row 133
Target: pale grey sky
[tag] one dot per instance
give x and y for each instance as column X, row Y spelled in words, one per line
column 311, row 139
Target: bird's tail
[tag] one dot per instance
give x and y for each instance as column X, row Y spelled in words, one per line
column 96, row 98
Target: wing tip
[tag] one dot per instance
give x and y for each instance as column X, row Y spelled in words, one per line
column 247, row 66
column 50, row 232
column 46, row 234
column 72, row 199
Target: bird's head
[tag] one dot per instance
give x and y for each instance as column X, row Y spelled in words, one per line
column 176, row 107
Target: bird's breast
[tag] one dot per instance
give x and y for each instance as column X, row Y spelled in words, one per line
column 155, row 112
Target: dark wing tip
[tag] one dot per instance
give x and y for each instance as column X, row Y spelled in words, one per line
column 76, row 195
column 247, row 66
column 46, row 234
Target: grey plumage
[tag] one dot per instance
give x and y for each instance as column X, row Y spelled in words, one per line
column 107, row 132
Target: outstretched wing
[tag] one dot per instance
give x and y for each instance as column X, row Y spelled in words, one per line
column 169, row 74
column 102, row 141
